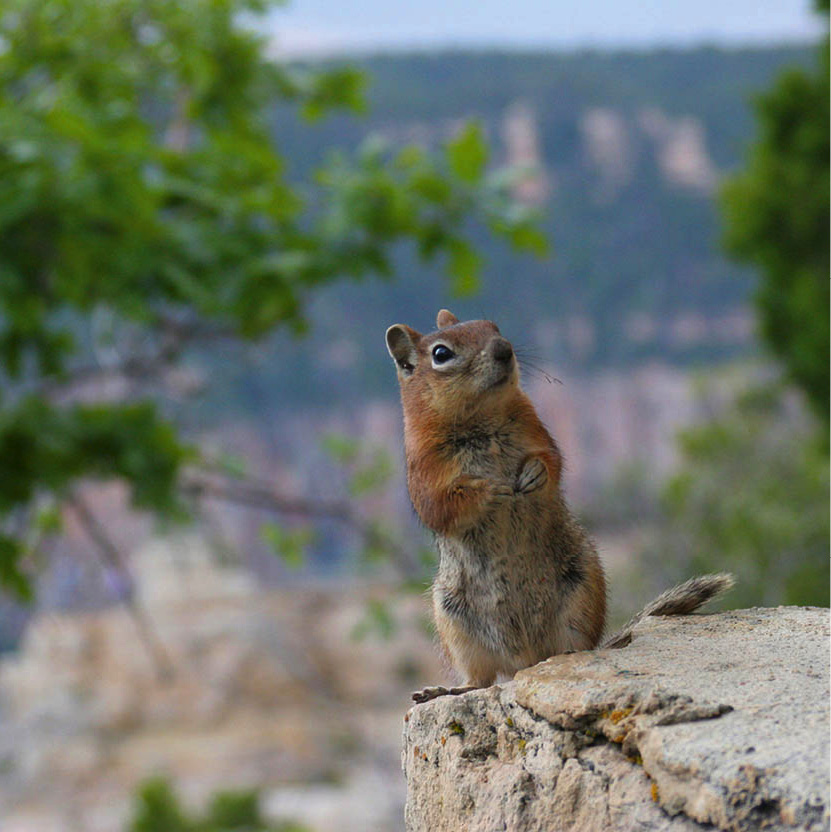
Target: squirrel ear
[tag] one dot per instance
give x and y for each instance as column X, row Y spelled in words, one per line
column 401, row 343
column 445, row 318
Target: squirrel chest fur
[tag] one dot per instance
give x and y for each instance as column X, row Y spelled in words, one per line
column 518, row 578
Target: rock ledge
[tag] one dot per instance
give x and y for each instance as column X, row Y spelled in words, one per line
column 706, row 721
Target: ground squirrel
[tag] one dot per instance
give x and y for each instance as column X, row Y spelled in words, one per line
column 519, row 579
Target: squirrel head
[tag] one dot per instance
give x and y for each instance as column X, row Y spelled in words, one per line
column 458, row 369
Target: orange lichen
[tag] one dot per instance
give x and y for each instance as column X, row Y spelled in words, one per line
column 654, row 791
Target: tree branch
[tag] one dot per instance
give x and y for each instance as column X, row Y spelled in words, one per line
column 174, row 336
column 159, row 658
column 256, row 494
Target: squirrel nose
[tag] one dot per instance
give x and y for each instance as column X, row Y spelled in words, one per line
column 501, row 350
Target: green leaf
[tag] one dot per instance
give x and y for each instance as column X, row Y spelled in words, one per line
column 157, row 807
column 12, row 578
column 234, row 466
column 289, row 545
column 375, row 549
column 467, row 154
column 377, row 620
column 337, row 88
column 372, row 476
column 410, row 157
column 343, row 449
column 529, row 238
column 464, row 265
column 48, row 520
column 236, row 810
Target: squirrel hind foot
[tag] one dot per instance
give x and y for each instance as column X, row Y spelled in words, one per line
column 425, row 695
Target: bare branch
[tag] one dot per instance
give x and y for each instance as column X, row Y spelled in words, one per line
column 174, row 336
column 158, row 654
column 256, row 494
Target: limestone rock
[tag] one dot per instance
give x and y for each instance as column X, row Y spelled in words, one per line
column 707, row 721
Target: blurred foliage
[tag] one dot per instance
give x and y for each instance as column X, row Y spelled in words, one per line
column 753, row 488
column 139, row 179
column 630, row 497
column 157, row 809
column 367, row 469
column 45, row 450
column 288, row 544
column 751, row 497
column 377, row 619
column 777, row 218
column 370, row 467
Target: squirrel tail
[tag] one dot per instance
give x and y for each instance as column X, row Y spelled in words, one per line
column 680, row 600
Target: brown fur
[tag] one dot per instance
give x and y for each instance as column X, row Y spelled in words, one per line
column 519, row 580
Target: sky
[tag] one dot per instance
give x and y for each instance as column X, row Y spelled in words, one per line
column 348, row 26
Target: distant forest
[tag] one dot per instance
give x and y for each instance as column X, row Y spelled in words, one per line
column 631, row 147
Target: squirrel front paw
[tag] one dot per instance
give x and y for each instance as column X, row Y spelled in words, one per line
column 532, row 477
column 500, row 493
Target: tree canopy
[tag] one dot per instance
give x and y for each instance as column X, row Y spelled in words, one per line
column 777, row 219
column 140, row 186
column 752, row 494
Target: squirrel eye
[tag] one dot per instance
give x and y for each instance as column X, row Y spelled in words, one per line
column 441, row 353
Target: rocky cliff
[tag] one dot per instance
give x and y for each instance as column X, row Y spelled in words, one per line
column 270, row 691
column 709, row 721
